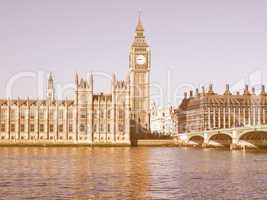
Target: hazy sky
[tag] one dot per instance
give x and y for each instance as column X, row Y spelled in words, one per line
column 195, row 42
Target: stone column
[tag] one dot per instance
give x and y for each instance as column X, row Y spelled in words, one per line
column 38, row 119
column 219, row 118
column 66, row 118
column 224, row 117
column 8, row 119
column 244, row 116
column 18, row 121
column 99, row 119
column 113, row 117
column 91, row 124
column 28, row 121
column 214, row 117
column 249, row 116
column 128, row 117
column 254, row 115
column 1, row 121
column 239, row 116
column 57, row 120
column 76, row 121
column 106, row 120
column 47, row 120
column 234, row 117
column 209, row 118
column 229, row 117
column 259, row 115
column 264, row 114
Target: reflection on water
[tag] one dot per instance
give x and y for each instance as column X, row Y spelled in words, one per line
column 131, row 173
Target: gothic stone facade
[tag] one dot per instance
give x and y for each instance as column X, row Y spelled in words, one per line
column 161, row 120
column 208, row 110
column 89, row 118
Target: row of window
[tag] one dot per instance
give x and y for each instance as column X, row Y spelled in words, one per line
column 121, row 128
column 60, row 138
column 60, row 128
column 236, row 107
column 33, row 114
column 32, row 128
column 52, row 115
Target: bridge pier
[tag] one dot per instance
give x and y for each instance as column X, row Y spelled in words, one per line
column 205, row 144
column 234, row 145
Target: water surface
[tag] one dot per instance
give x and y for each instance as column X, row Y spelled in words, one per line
column 131, row 173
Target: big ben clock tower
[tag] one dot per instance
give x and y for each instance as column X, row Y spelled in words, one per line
column 140, row 80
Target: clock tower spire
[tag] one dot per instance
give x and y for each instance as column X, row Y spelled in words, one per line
column 139, row 39
column 139, row 70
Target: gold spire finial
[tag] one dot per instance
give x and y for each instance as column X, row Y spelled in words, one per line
column 139, row 14
column 50, row 77
column 139, row 26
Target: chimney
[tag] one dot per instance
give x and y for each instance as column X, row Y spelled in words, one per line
column 203, row 90
column 253, row 91
column 197, row 92
column 185, row 95
column 263, row 90
column 211, row 89
column 227, row 87
column 246, row 91
column 191, row 93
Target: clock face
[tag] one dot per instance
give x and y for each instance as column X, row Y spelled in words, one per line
column 140, row 59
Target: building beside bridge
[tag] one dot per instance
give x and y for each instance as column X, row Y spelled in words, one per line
column 207, row 110
column 206, row 113
column 90, row 117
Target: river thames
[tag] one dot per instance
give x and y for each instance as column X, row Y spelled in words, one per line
column 131, row 173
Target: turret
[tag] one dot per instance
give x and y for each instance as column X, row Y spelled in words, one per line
column 227, row 90
column 113, row 82
column 210, row 89
column 76, row 80
column 203, row 90
column 84, row 88
column 50, row 88
column 91, row 81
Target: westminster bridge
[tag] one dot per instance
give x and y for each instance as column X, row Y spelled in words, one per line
column 239, row 137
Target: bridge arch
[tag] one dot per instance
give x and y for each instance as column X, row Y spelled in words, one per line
column 220, row 139
column 253, row 138
column 196, row 140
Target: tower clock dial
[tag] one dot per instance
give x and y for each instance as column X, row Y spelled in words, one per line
column 140, row 59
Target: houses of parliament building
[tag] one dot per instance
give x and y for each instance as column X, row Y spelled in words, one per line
column 90, row 118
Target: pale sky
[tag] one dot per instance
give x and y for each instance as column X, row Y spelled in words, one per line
column 194, row 42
